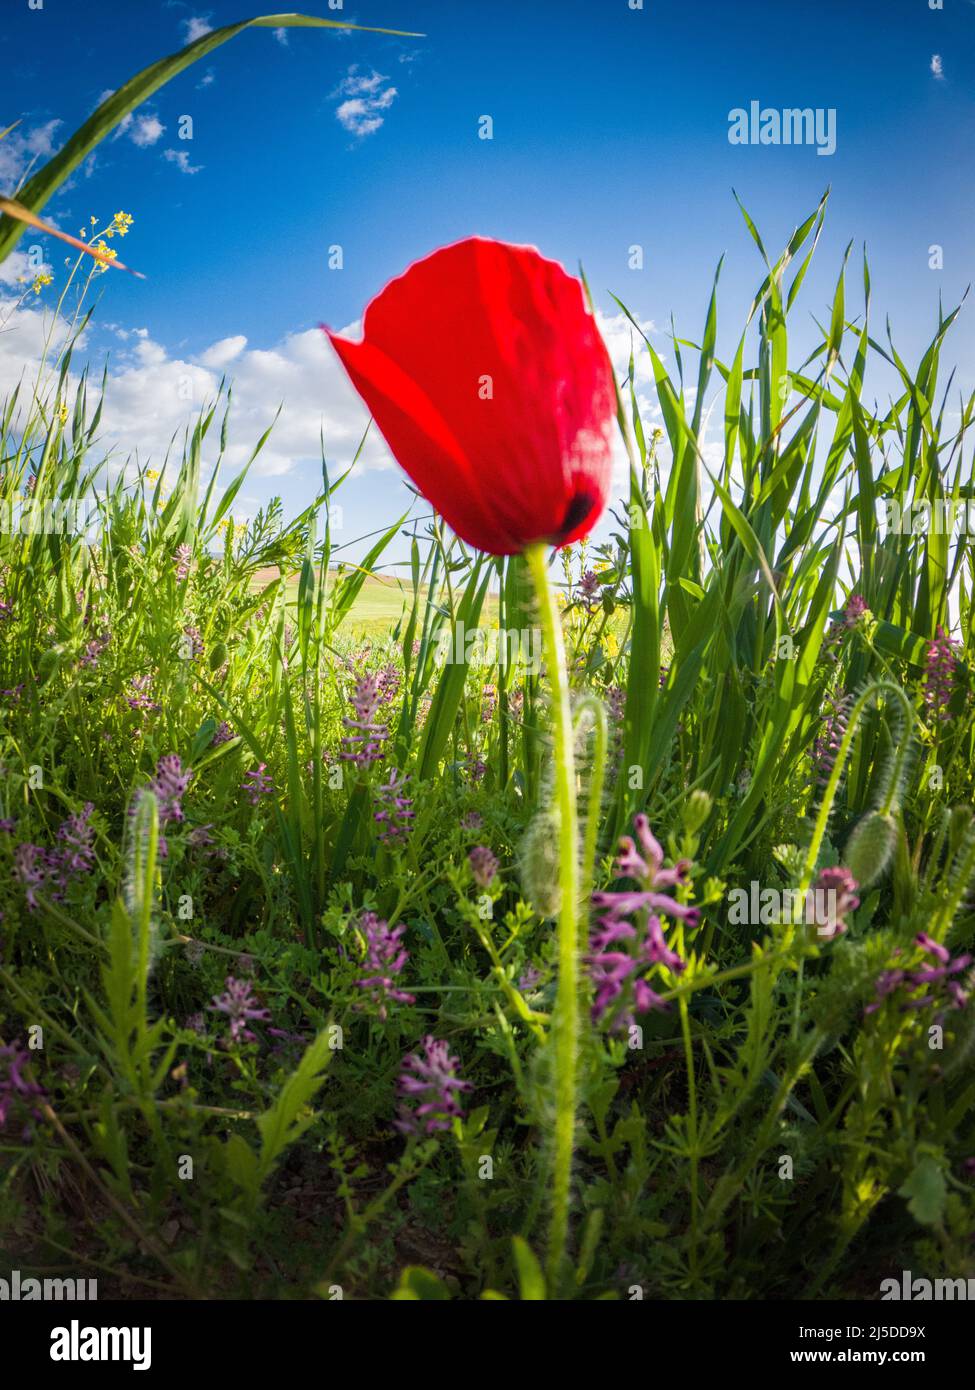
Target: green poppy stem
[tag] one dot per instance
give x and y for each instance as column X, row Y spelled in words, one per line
column 566, row 1016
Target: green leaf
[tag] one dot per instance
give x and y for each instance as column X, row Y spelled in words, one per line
column 419, row 1285
column 287, row 1119
column 531, row 1280
column 926, row 1191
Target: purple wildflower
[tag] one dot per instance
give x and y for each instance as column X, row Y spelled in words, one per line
column 589, row 588
column 940, row 667
column 471, row 820
column 856, row 607
column 192, row 643
column 76, row 835
column 829, row 900
column 529, row 979
column 257, row 783
column 616, row 709
column 429, row 1087
column 93, row 650
column 182, row 561
column 621, row 953
column 241, row 1006
column 886, row 983
column 140, row 694
column 484, row 865
column 223, row 733
column 938, row 974
column 827, row 745
column 388, row 681
column 395, row 808
column 16, row 1089
column 55, row 869
column 363, row 745
column 31, row 869
column 489, row 701
column 385, row 957
column 168, row 786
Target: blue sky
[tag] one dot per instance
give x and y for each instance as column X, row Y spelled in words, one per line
column 610, row 129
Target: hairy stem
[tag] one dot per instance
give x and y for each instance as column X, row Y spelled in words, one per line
column 567, row 1014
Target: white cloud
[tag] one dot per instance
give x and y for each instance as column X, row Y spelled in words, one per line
column 146, row 131
column 620, row 337
column 224, row 352
column 152, row 395
column 282, row 37
column 355, row 82
column 367, row 98
column 181, row 159
column 21, row 152
column 16, row 268
column 195, row 28
column 207, row 80
column 937, row 67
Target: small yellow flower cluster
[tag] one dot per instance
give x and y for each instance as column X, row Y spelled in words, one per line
column 232, row 529
column 40, row 281
column 152, row 475
column 119, row 226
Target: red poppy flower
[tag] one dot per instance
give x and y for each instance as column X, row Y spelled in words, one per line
column 484, row 370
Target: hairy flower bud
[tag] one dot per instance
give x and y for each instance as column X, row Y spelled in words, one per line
column 870, row 847
column 539, row 864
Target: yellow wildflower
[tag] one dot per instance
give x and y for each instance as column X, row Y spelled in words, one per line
column 40, row 281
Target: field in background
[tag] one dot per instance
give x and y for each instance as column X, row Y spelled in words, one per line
column 381, row 602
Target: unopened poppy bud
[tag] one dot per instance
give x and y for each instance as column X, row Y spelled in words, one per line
column 539, row 864
column 696, row 810
column 870, row 847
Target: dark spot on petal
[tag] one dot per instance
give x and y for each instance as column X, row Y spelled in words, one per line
column 575, row 513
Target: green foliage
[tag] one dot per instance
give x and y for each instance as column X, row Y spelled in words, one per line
column 782, row 1128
